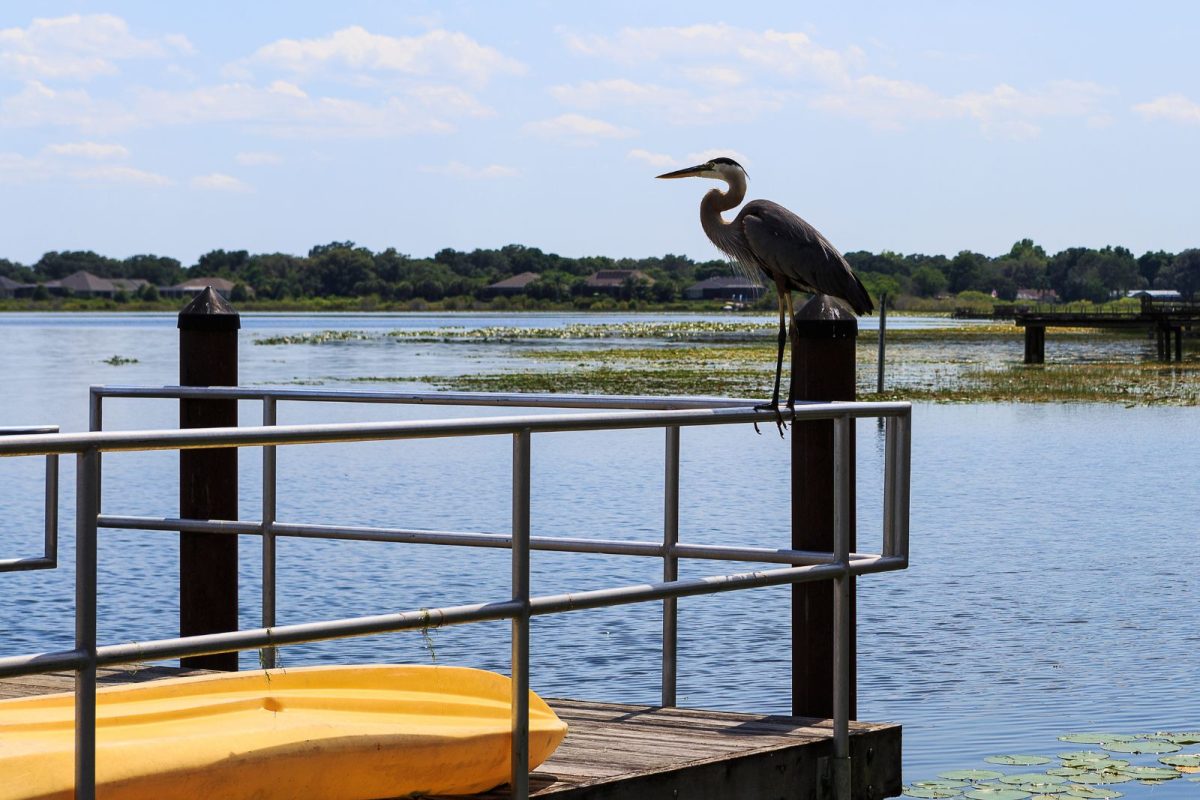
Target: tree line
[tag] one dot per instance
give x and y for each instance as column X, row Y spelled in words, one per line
column 344, row 269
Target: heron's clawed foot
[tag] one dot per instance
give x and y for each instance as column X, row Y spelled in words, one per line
column 779, row 421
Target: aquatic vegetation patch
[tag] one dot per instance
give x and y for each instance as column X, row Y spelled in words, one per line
column 318, row 337
column 118, row 361
column 1079, row 773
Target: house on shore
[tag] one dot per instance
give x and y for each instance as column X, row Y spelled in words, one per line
column 724, row 287
column 517, row 284
column 9, row 287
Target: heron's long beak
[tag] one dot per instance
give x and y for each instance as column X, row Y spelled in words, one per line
column 691, row 172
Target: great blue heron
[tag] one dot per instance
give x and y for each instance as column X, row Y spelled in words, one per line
column 766, row 236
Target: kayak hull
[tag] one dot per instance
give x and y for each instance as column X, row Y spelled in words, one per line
column 334, row 733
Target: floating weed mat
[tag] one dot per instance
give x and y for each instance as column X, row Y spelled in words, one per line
column 1104, row 772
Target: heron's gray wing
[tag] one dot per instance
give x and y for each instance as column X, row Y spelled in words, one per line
column 787, row 245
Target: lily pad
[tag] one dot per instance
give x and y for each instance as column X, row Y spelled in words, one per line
column 1095, row 737
column 1002, row 793
column 1084, row 755
column 1018, row 760
column 1093, row 792
column 1142, row 746
column 1150, row 773
column 1033, row 778
column 1102, row 776
column 940, row 784
column 1067, row 772
column 1179, row 737
column 970, row 774
column 927, row 793
column 1182, row 760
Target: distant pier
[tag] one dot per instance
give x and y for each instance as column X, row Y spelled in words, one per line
column 1166, row 320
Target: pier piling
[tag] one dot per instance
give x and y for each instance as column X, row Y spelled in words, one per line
column 208, row 479
column 823, row 368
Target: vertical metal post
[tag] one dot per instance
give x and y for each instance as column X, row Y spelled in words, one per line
column 96, row 422
column 823, row 367
column 842, row 631
column 269, row 485
column 903, row 470
column 87, row 497
column 670, row 565
column 520, row 625
column 208, row 478
column 889, row 486
column 50, row 534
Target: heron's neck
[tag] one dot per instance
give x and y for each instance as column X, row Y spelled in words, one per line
column 715, row 202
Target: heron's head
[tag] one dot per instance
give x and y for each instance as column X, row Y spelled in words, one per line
column 721, row 169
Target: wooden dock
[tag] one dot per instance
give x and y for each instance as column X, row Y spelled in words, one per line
column 631, row 752
column 1166, row 320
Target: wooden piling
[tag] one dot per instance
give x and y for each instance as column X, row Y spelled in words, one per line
column 823, row 369
column 1035, row 344
column 208, row 479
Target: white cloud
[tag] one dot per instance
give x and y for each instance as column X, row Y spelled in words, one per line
column 437, row 52
column 219, row 182
column 120, row 174
column 78, row 47
column 785, row 53
column 577, row 129
column 1171, row 107
column 92, row 150
column 716, row 73
column 257, row 159
column 677, row 105
column 16, row 168
column 457, row 169
column 280, row 109
column 656, row 160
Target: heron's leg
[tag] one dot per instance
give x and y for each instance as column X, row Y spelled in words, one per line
column 782, row 340
column 791, row 315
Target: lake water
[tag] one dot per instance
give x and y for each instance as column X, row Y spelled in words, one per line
column 1054, row 583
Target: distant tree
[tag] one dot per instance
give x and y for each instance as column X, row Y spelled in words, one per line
column 222, row 263
column 1183, row 275
column 928, row 281
column 239, row 293
column 40, row 292
column 159, row 270
column 338, row 271
column 15, row 271
column 878, row 284
column 55, row 265
column 149, row 293
column 967, row 271
column 1151, row 263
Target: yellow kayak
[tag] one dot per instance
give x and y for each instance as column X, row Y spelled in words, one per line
column 325, row 733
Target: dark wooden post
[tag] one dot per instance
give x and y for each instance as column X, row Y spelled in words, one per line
column 208, row 479
column 1035, row 344
column 823, row 361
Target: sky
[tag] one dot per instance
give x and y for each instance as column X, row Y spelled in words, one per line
column 135, row 127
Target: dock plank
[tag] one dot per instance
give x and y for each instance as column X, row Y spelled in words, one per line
column 617, row 751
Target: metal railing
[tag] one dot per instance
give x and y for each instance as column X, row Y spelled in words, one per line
column 840, row 565
column 49, row 557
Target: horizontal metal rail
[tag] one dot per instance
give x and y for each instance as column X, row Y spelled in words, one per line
column 208, row 644
column 560, row 544
column 199, row 438
column 671, row 414
column 515, row 399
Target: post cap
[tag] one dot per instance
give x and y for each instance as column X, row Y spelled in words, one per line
column 209, row 311
column 822, row 317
